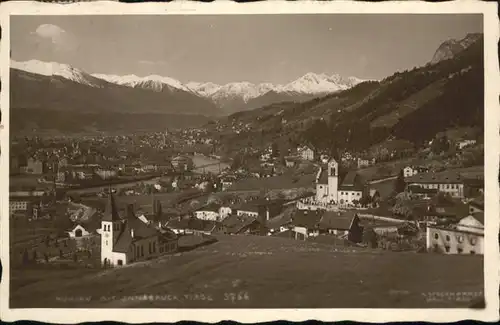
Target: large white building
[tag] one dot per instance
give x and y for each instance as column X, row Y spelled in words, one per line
column 124, row 241
column 329, row 191
column 447, row 182
column 466, row 237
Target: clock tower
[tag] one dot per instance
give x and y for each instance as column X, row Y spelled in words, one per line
column 111, row 226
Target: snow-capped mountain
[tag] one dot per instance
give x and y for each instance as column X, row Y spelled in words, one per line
column 452, row 47
column 153, row 82
column 312, row 83
column 205, row 89
column 56, row 69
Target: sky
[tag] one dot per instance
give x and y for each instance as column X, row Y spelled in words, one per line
column 230, row 48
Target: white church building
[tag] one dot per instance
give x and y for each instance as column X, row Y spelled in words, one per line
column 128, row 240
column 329, row 191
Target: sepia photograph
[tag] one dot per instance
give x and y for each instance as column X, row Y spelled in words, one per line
column 247, row 161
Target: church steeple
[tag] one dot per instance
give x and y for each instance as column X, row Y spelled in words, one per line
column 111, row 212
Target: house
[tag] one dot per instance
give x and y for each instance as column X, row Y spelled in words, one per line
column 208, row 212
column 193, row 226
column 305, row 153
column 409, row 171
column 345, row 224
column 227, row 182
column 466, row 237
column 225, row 211
column 445, row 213
column 249, row 225
column 248, row 210
column 465, row 143
column 305, row 223
column 447, row 182
column 124, row 241
column 328, row 189
column 79, row 231
column 34, row 166
column 106, row 173
column 365, row 162
column 29, row 205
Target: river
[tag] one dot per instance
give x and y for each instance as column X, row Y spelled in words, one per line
column 201, row 160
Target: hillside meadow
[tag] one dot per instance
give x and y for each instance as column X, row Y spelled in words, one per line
column 260, row 272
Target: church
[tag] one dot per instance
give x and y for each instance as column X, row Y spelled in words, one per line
column 328, row 190
column 128, row 240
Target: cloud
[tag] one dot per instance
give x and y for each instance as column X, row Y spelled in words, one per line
column 59, row 39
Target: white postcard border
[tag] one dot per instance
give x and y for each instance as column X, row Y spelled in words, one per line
column 492, row 154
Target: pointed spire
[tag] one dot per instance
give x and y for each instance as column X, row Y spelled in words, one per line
column 111, row 212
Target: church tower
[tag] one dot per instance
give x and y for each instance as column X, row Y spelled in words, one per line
column 111, row 225
column 333, row 180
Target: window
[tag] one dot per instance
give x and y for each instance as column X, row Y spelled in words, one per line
column 447, row 238
column 460, row 238
column 106, row 243
column 447, row 249
column 142, row 250
column 104, row 227
column 436, row 236
column 460, row 250
column 473, row 241
column 120, row 262
column 472, row 252
column 154, row 247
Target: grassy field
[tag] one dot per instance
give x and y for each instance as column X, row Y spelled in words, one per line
column 258, row 272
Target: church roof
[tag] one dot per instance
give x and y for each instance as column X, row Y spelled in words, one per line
column 111, row 212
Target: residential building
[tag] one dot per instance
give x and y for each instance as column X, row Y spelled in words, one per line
column 476, row 205
column 208, row 212
column 447, row 182
column 34, row 166
column 306, row 153
column 248, row 210
column 106, row 173
column 365, row 162
column 79, row 231
column 124, row 241
column 307, row 224
column 466, row 237
column 465, row 143
column 409, row 171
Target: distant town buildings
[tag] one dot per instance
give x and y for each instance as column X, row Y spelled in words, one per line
column 409, row 171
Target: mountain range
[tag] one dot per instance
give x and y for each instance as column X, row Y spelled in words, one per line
column 59, row 89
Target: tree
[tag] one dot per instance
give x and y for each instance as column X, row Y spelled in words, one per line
column 399, row 185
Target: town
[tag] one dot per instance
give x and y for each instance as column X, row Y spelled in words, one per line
column 105, row 205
